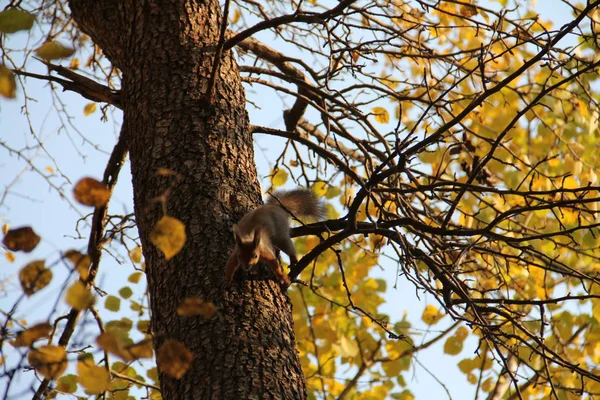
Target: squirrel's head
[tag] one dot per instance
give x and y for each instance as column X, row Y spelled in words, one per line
column 248, row 246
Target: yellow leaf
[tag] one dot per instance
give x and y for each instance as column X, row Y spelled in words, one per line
column 74, row 63
column 10, row 256
column 169, row 236
column 112, row 303
column 320, row 189
column 14, row 20
column 21, row 239
column 28, row 336
column 431, row 315
column 173, row 358
column 348, row 347
column 136, row 255
column 50, row 170
column 5, row 228
column 67, row 384
column 381, row 115
column 93, row 378
column 112, row 343
column 453, row 346
column 236, row 16
column 81, row 262
column 50, row 361
column 8, row 85
column 196, row 306
column 89, row 109
column 91, row 192
column 34, row 277
column 78, row 296
column 53, row 51
column 279, row 178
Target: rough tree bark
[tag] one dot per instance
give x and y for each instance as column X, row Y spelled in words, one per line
column 165, row 50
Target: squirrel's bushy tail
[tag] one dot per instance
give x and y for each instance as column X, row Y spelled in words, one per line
column 299, row 202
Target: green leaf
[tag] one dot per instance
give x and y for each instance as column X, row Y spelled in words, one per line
column 14, row 20
column 112, row 303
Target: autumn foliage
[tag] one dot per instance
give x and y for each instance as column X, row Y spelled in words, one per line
column 455, row 144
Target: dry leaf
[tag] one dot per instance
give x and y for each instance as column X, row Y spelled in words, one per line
column 50, row 361
column 81, row 262
column 28, row 336
column 196, row 306
column 53, row 51
column 169, row 236
column 173, row 358
column 468, row 11
column 79, row 297
column 23, row 239
column 74, row 63
column 91, row 192
column 34, row 277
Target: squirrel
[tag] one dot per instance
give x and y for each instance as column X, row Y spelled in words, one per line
column 267, row 228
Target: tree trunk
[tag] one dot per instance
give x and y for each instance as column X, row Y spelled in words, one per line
column 248, row 350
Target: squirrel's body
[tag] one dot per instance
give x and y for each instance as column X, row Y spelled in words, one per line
column 267, row 228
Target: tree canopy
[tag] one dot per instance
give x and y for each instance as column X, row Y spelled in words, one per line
column 454, row 143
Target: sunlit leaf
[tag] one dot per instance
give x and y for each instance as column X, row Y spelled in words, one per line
column 279, row 178
column 27, row 337
column 89, row 109
column 49, row 361
column 127, row 351
column 236, row 16
column 196, row 306
column 136, row 255
column 8, row 84
column 14, row 20
column 348, row 347
column 21, row 239
column 173, row 358
column 74, row 63
column 78, row 296
column 53, row 51
column 90, row 192
column 34, row 277
column 431, row 315
column 93, row 378
column 381, row 115
column 169, row 236
column 10, row 257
